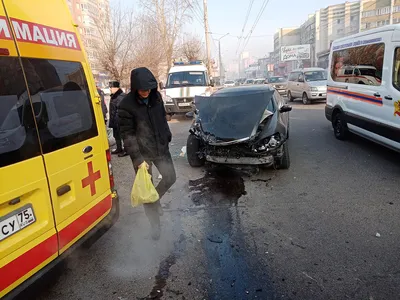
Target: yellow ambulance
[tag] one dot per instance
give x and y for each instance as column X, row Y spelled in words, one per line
column 56, row 181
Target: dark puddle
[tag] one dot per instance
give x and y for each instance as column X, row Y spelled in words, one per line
column 157, row 292
column 220, row 185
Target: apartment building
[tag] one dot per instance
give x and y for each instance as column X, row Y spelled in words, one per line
column 377, row 13
column 89, row 15
column 307, row 36
column 334, row 22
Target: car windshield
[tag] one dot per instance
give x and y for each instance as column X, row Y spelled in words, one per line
column 276, row 79
column 187, row 78
column 229, row 82
column 315, row 75
column 233, row 115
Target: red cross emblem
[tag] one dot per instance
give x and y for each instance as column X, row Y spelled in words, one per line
column 91, row 179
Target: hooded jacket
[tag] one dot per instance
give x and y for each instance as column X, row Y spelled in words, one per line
column 144, row 128
column 115, row 100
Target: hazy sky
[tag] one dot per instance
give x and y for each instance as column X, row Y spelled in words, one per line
column 228, row 16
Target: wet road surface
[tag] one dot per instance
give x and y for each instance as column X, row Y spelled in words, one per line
column 304, row 233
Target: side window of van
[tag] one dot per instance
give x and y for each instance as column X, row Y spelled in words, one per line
column 293, row 76
column 18, row 135
column 366, row 61
column 61, row 101
column 396, row 69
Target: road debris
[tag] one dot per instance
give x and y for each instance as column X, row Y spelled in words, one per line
column 378, row 235
column 183, row 152
column 214, row 239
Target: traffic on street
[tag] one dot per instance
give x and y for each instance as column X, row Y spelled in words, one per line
column 188, row 149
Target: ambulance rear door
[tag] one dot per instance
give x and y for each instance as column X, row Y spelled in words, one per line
column 28, row 239
column 71, row 138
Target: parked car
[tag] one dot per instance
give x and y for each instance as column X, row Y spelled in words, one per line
column 249, row 81
column 368, row 106
column 229, row 83
column 259, row 81
column 279, row 83
column 309, row 84
column 247, row 125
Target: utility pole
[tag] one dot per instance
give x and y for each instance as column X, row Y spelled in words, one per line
column 207, row 38
column 221, row 67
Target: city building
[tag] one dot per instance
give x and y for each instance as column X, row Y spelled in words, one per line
column 377, row 13
column 284, row 37
column 334, row 22
column 89, row 15
column 307, row 36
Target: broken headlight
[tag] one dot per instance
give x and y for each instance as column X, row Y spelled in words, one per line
column 269, row 143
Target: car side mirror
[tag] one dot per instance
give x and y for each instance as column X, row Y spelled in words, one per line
column 285, row 108
column 212, row 83
column 301, row 79
column 161, row 85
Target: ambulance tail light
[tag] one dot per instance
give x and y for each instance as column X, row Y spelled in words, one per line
column 110, row 171
column 4, row 51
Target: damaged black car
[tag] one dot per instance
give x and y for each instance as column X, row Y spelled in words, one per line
column 246, row 125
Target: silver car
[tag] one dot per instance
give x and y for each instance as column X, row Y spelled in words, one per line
column 309, row 84
column 279, row 83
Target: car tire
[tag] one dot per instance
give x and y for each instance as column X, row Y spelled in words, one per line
column 339, row 125
column 305, row 99
column 192, row 150
column 284, row 161
column 290, row 97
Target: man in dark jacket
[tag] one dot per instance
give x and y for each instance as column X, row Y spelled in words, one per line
column 146, row 134
column 115, row 99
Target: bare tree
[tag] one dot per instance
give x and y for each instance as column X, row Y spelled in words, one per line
column 192, row 48
column 147, row 51
column 168, row 16
column 116, row 38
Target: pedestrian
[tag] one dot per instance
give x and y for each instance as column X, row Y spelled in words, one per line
column 116, row 97
column 146, row 134
column 103, row 103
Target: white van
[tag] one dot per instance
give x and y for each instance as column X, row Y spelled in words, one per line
column 185, row 80
column 366, row 104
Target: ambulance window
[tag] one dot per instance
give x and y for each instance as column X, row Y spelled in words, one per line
column 396, row 69
column 60, row 97
column 18, row 135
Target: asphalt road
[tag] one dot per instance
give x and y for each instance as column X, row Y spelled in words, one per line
column 304, row 233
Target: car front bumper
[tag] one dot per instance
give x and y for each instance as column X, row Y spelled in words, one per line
column 316, row 95
column 263, row 160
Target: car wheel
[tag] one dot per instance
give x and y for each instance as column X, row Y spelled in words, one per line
column 339, row 126
column 192, row 151
column 305, row 99
column 284, row 162
column 289, row 95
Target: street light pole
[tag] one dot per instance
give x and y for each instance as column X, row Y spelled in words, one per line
column 207, row 38
column 221, row 67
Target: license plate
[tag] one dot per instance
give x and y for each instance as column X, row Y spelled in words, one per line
column 16, row 221
column 184, row 104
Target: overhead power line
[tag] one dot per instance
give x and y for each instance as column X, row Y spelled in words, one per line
column 245, row 23
column 264, row 5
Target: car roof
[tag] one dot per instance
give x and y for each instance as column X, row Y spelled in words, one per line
column 245, row 89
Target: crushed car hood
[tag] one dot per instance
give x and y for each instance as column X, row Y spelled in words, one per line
column 232, row 116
